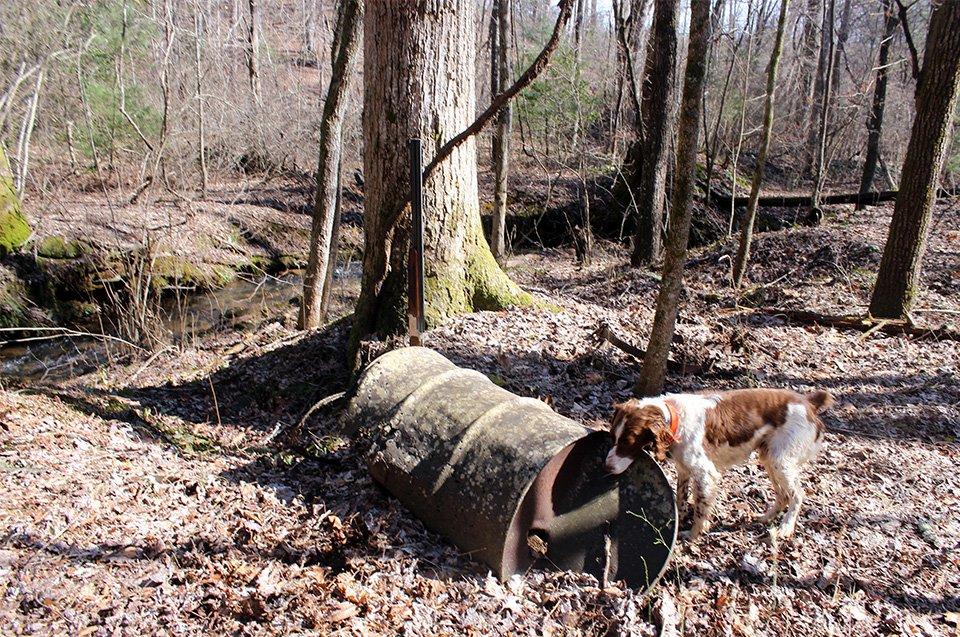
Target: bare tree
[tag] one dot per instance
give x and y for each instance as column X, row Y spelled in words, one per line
column 649, row 182
column 253, row 48
column 746, row 234
column 742, row 119
column 896, row 288
column 823, row 123
column 808, row 55
column 201, row 137
column 891, row 20
column 500, row 72
column 820, row 83
column 326, row 213
column 671, row 282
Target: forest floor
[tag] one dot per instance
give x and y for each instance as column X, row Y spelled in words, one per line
column 178, row 495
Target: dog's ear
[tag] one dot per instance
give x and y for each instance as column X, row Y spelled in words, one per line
column 663, row 441
column 820, row 400
column 620, row 411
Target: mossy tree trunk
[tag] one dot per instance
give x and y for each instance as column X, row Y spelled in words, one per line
column 746, row 234
column 419, row 69
column 657, row 97
column 324, row 231
column 688, row 136
column 896, row 287
column 14, row 229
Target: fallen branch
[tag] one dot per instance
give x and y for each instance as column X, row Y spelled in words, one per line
column 59, row 332
column 862, row 324
column 329, row 400
column 605, row 334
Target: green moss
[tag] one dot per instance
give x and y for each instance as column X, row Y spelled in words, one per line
column 56, row 247
column 77, row 311
column 179, row 435
column 492, row 289
column 12, row 305
column 291, row 262
column 260, row 263
column 172, row 270
column 484, row 287
column 14, row 229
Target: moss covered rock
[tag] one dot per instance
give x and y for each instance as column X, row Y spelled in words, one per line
column 180, row 272
column 12, row 303
column 14, row 229
column 56, row 247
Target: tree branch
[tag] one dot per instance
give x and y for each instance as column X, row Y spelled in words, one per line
column 525, row 80
column 914, row 59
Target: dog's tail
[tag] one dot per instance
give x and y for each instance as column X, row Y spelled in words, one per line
column 820, row 400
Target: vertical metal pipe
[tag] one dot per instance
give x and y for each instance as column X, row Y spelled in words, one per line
column 415, row 303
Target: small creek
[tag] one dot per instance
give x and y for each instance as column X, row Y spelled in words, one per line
column 243, row 302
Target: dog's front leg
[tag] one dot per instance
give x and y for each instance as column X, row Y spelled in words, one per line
column 683, row 492
column 705, row 496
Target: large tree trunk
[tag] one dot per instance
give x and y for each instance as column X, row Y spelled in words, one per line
column 344, row 53
column 746, row 235
column 668, row 300
column 649, row 182
column 875, row 123
column 419, row 71
column 896, row 287
column 500, row 72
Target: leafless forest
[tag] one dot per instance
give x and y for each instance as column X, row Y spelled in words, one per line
column 207, row 232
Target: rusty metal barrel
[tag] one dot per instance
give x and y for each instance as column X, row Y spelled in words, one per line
column 505, row 478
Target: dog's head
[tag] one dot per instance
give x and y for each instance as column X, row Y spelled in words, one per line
column 635, row 428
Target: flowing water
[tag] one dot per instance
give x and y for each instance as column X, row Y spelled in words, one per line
column 246, row 301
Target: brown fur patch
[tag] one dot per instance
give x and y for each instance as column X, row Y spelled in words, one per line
column 741, row 412
column 643, row 429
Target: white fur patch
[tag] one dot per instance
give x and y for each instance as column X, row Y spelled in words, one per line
column 617, row 464
column 619, row 430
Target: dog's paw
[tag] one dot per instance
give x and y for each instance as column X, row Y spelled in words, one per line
column 767, row 517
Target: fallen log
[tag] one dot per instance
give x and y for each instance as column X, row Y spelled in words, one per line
column 803, row 201
column 862, row 324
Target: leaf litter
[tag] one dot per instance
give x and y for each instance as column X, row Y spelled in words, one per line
column 112, row 524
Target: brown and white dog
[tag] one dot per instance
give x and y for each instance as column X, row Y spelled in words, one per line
column 709, row 432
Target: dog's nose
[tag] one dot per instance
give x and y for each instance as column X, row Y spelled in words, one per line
column 616, row 464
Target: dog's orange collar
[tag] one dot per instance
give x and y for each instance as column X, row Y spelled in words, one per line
column 674, row 423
